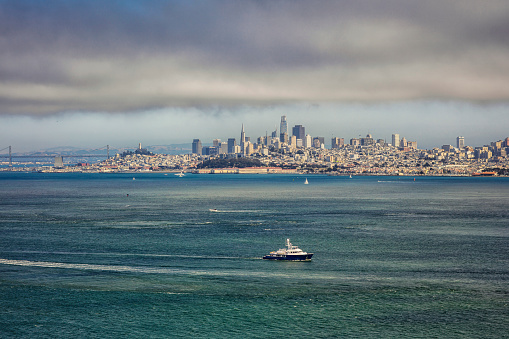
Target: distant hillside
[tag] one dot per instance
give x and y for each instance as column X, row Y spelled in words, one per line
column 173, row 149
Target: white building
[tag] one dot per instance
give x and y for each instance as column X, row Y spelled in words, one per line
column 308, row 141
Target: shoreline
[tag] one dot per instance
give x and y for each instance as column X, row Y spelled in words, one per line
column 232, row 171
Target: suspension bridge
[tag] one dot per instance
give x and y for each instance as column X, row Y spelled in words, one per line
column 58, row 158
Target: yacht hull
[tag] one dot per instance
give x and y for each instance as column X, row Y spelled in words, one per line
column 294, row 257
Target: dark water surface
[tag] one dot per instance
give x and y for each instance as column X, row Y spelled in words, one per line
column 393, row 257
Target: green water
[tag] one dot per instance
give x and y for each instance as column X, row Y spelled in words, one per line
column 394, row 258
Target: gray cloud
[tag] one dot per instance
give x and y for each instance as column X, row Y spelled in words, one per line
column 103, row 56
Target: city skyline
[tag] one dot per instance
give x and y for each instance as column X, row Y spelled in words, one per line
column 87, row 74
column 300, row 140
column 432, row 131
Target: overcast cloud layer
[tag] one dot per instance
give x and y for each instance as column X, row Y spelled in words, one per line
column 130, row 56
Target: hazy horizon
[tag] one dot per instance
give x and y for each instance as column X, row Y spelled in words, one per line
column 425, row 123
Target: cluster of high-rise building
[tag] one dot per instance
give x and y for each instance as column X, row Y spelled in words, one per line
column 297, row 140
column 365, row 155
column 246, row 146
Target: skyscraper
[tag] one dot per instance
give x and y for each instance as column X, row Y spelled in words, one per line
column 299, row 131
column 242, row 136
column 402, row 143
column 59, row 162
column 460, row 142
column 243, row 140
column 318, row 142
column 395, row 140
column 231, row 145
column 274, row 133
column 308, row 141
column 293, row 141
column 197, row 146
column 283, row 130
column 337, row 142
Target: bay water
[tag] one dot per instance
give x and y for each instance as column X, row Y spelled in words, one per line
column 142, row 255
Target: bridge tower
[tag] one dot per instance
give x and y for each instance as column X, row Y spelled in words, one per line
column 10, row 157
column 108, row 150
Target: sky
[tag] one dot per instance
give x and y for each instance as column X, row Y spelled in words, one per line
column 91, row 73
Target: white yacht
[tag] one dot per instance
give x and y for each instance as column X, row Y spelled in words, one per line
column 289, row 253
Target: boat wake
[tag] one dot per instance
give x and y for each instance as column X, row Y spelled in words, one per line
column 138, row 269
column 95, row 267
column 237, row 211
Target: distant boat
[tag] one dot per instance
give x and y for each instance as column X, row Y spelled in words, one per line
column 306, row 182
column 134, row 178
column 289, row 253
column 350, row 176
column 181, row 174
column 213, row 210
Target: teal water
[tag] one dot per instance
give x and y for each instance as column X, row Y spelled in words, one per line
column 106, row 256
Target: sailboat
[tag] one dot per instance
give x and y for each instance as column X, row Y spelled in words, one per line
column 306, row 182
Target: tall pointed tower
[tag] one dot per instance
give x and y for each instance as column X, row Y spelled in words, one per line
column 242, row 136
column 243, row 140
